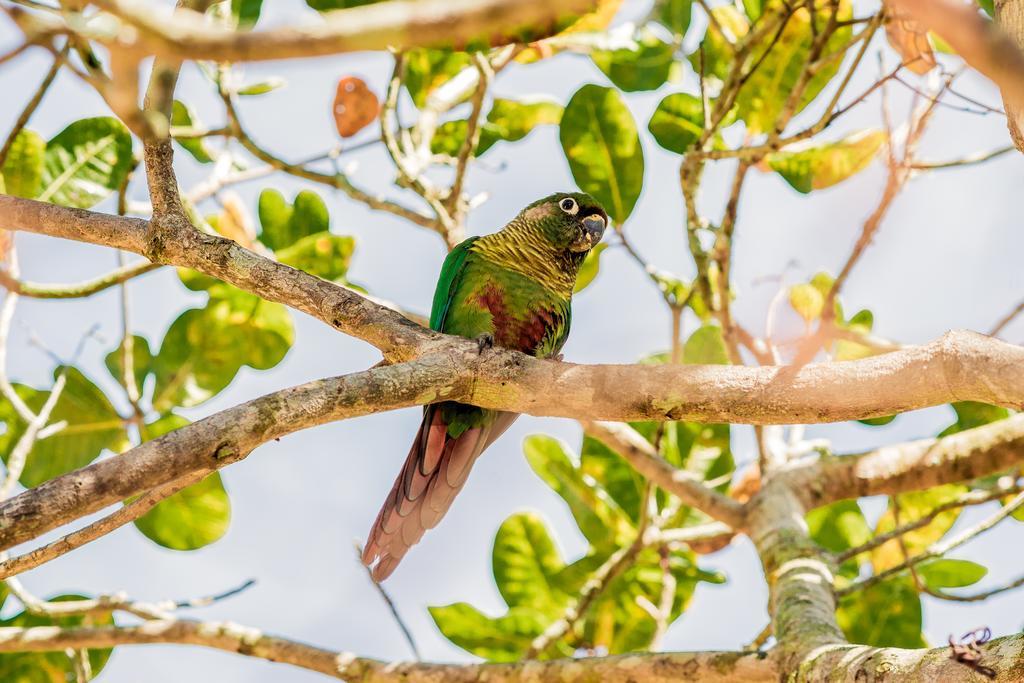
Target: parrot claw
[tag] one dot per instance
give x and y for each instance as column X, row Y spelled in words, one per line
column 484, row 341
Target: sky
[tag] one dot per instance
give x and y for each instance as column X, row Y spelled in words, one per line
column 947, row 256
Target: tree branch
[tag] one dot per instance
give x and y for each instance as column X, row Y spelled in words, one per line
column 639, row 453
column 81, row 289
column 401, row 24
column 913, row 466
column 708, row 667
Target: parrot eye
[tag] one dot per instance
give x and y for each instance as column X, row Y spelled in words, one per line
column 569, row 205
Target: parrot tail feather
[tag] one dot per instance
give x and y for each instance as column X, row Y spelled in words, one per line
column 434, row 472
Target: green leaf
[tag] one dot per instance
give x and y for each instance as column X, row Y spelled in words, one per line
column 946, row 573
column 261, row 87
column 817, row 166
column 23, row 167
column 988, row 6
column 183, row 116
column 588, row 270
column 603, row 465
column 887, row 614
column 674, row 15
column 596, row 513
column 678, row 122
column 283, row 225
column 525, row 563
column 645, row 68
column 970, row 414
column 753, row 8
column 845, row 349
column 51, row 667
column 92, row 425
column 507, row 120
column 502, row 639
column 839, row 526
column 706, row 347
column 877, row 421
column 323, row 254
column 426, row 70
column 601, row 143
column 203, row 349
column 192, row 518
column 142, row 360
column 86, row 162
column 246, row 12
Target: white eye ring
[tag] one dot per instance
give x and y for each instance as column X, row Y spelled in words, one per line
column 569, row 205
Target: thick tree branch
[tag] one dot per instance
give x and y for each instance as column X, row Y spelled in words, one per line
column 212, row 443
column 708, row 667
column 912, row 466
column 982, row 44
column 400, row 24
column 959, row 366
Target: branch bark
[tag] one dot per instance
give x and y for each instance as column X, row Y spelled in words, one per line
column 399, row 24
column 983, row 45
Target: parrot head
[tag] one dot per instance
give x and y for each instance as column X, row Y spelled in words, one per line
column 573, row 221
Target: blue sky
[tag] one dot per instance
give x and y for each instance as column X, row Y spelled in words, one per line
column 948, row 255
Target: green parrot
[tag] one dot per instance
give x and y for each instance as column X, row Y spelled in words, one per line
column 512, row 289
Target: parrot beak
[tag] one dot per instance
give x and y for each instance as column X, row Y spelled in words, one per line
column 594, row 225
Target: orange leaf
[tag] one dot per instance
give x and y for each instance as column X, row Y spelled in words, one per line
column 355, row 106
column 909, row 39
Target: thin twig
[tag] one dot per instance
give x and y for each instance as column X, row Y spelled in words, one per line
column 939, row 548
column 33, row 103
column 406, row 632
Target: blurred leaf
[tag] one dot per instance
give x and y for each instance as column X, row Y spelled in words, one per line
column 92, row 426
column 142, row 360
column 23, row 167
column 525, row 563
column 839, row 526
column 85, row 162
column 887, row 614
column 588, row 270
column 426, row 70
column 601, row 143
column 591, row 22
column 183, row 116
column 909, row 39
column 753, row 8
column 324, row 255
column 678, row 122
column 717, row 47
column 706, row 347
column 283, row 225
column 845, row 349
column 205, row 347
column 913, row 506
column 598, row 516
column 674, row 15
column 355, row 106
column 970, row 414
column 51, row 667
column 877, row 421
column 508, row 120
column 645, row 68
column 946, row 573
column 261, row 87
column 817, row 166
column 246, row 12
column 328, row 5
column 806, row 300
column 988, row 6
